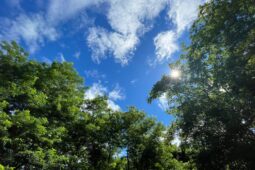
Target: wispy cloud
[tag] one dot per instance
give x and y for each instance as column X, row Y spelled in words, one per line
column 95, row 74
column 117, row 93
column 129, row 20
column 62, row 10
column 181, row 13
column 165, row 44
column 97, row 90
column 32, row 29
column 46, row 60
column 35, row 29
column 163, row 102
column 77, row 54
column 105, row 43
column 133, row 81
column 112, row 105
column 60, row 58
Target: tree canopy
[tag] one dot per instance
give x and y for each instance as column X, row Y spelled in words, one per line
column 214, row 98
column 46, row 123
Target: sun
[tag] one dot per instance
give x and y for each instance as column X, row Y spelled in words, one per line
column 175, row 73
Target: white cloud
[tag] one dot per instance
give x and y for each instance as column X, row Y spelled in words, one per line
column 182, row 13
column 97, row 90
column 61, row 10
column 60, row 58
column 77, row 54
column 127, row 17
column 112, row 105
column 166, row 45
column 46, row 60
column 33, row 30
column 133, row 81
column 163, row 102
column 129, row 21
column 116, row 94
column 94, row 74
column 37, row 28
column 103, row 42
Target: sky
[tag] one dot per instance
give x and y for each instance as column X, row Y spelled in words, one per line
column 120, row 47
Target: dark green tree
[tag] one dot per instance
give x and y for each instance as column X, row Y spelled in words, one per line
column 214, row 99
column 146, row 146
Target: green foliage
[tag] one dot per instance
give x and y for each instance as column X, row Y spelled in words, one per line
column 5, row 168
column 45, row 123
column 36, row 101
column 214, row 100
column 147, row 147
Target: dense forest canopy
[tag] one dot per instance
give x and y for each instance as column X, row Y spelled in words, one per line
column 46, row 122
column 215, row 96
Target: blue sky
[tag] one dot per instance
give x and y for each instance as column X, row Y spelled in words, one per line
column 120, row 47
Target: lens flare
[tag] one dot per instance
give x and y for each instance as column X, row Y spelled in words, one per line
column 175, row 74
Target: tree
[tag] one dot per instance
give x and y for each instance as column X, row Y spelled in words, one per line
column 37, row 103
column 214, row 99
column 98, row 131
column 146, row 147
column 46, row 123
